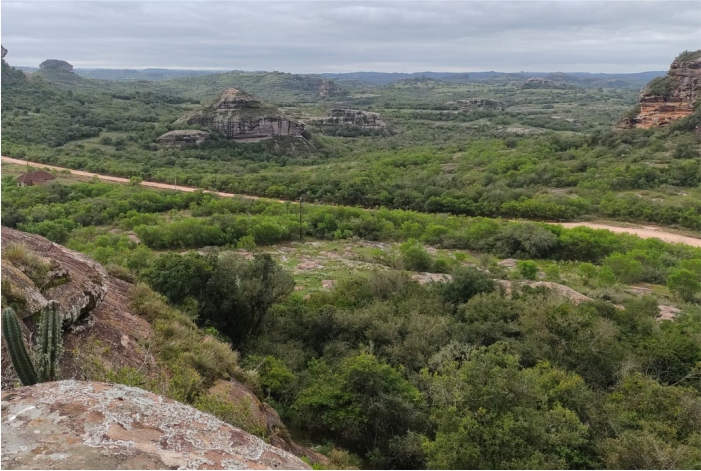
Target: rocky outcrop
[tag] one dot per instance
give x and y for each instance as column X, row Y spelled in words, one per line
column 183, row 137
column 670, row 98
column 90, row 425
column 55, row 64
column 327, row 88
column 265, row 418
column 4, row 51
column 481, row 104
column 539, row 82
column 362, row 119
column 93, row 305
column 240, row 116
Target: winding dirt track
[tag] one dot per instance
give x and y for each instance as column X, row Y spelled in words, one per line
column 645, row 232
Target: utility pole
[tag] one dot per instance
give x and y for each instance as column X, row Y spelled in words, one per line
column 300, row 218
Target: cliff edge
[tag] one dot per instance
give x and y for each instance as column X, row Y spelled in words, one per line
column 669, row 98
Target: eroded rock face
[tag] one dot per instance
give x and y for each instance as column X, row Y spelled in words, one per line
column 4, row 51
column 183, row 137
column 55, row 64
column 362, row 119
column 265, row 418
column 240, row 116
column 661, row 105
column 91, row 425
column 94, row 305
column 327, row 88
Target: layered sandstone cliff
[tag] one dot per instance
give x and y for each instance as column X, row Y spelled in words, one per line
column 240, row 116
column 670, row 98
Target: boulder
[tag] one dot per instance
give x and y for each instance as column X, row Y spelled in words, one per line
column 92, row 425
column 264, row 417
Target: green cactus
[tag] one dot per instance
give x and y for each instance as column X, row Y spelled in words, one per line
column 50, row 342
column 15, row 345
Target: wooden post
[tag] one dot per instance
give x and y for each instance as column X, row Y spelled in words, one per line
column 300, row 218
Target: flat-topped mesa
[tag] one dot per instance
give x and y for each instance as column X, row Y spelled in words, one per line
column 240, row 116
column 669, row 98
column 55, row 64
column 363, row 119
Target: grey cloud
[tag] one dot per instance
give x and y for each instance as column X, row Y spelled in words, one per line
column 301, row 36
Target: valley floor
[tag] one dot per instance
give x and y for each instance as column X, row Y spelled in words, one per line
column 644, row 232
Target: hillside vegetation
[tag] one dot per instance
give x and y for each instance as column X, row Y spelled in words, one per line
column 409, row 317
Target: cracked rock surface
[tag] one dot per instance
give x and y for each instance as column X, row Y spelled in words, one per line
column 92, row 425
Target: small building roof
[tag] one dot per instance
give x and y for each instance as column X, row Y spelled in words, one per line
column 38, row 176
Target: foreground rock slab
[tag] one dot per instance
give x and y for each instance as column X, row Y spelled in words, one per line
column 91, row 425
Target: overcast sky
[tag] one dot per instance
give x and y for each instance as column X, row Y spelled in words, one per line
column 345, row 36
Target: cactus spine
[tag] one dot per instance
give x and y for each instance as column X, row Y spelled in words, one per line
column 50, row 342
column 15, row 345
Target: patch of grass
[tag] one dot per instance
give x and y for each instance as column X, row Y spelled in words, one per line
column 22, row 258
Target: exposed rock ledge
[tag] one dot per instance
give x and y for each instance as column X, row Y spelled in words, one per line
column 239, row 115
column 91, row 425
column 363, row 119
column 668, row 99
column 184, row 137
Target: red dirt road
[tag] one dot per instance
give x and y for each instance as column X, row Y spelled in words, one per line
column 644, row 232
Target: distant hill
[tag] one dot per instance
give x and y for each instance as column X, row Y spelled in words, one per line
column 638, row 79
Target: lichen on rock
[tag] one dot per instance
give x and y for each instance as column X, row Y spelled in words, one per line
column 92, row 425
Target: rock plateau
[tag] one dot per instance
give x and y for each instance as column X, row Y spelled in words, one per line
column 55, row 64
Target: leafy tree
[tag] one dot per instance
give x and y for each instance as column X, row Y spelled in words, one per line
column 528, row 269
column 179, row 276
column 240, row 292
column 361, row 403
column 684, row 283
column 414, row 256
column 467, row 282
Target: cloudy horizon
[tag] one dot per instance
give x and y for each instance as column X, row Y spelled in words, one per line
column 351, row 36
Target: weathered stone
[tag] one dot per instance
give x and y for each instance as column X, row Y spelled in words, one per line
column 21, row 291
column 184, row 137
column 3, row 50
column 657, row 110
column 55, row 64
column 90, row 425
column 265, row 418
column 362, row 119
column 327, row 88
column 240, row 116
column 481, row 103
column 95, row 303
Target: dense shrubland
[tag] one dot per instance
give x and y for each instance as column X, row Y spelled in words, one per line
column 401, row 375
